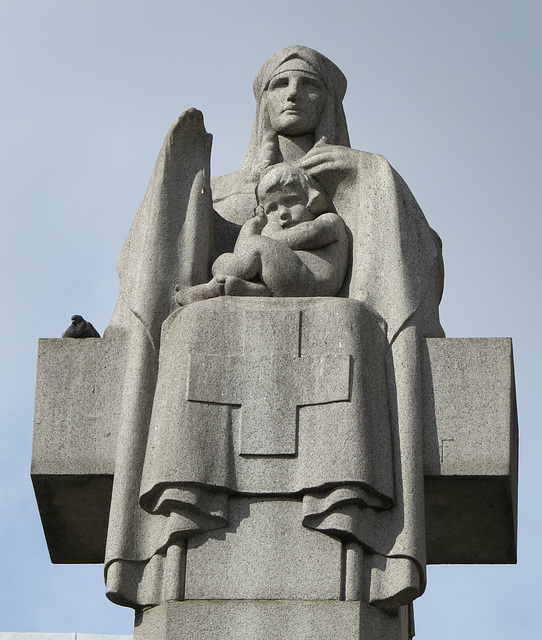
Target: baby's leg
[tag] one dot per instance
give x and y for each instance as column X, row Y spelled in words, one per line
column 234, row 272
column 279, row 267
column 238, row 287
column 243, row 264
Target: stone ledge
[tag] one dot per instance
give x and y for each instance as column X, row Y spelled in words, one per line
column 470, row 447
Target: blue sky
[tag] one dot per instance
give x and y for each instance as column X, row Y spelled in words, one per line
column 449, row 92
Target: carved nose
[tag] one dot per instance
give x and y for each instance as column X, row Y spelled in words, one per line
column 292, row 90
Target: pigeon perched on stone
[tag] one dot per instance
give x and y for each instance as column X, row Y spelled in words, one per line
column 80, row 328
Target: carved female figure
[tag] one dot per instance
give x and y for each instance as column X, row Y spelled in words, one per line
column 394, row 271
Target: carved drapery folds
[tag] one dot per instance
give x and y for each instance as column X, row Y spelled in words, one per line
column 313, row 399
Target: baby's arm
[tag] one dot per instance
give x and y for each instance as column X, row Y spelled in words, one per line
column 314, row 234
column 253, row 226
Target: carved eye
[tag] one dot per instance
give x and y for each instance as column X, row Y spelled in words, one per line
column 311, row 83
column 279, row 83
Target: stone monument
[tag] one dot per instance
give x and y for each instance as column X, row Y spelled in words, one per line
column 273, row 437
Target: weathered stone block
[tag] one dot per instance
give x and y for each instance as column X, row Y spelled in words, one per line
column 470, row 436
column 265, row 553
column 471, row 451
column 78, row 392
column 267, row 620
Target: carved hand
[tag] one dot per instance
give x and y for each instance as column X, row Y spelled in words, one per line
column 189, row 120
column 259, row 217
column 329, row 164
column 253, row 226
column 274, row 230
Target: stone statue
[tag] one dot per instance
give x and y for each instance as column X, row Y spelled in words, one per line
column 274, row 320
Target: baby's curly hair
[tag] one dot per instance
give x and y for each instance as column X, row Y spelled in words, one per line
column 284, row 174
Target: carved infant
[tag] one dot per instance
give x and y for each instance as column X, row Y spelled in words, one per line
column 293, row 246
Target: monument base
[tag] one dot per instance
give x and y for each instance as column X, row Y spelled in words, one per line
column 270, row 620
column 470, row 446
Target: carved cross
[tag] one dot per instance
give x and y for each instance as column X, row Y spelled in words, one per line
column 269, row 385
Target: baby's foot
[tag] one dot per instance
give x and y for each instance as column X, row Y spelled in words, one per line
column 238, row 287
column 211, row 289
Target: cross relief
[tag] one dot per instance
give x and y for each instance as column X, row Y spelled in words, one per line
column 269, row 385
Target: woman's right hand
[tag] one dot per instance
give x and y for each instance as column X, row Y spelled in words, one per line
column 329, row 164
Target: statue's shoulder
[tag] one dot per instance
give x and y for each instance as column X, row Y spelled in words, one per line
column 372, row 159
column 380, row 167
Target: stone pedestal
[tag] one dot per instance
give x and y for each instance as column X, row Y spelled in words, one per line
column 269, row 620
column 265, row 576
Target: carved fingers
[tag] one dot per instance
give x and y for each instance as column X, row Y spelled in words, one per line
column 259, row 214
column 322, row 159
column 189, row 125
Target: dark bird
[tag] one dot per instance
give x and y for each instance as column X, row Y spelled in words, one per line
column 80, row 328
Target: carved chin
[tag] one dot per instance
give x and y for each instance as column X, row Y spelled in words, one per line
column 293, row 125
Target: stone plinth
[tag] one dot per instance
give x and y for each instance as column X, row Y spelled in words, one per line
column 268, row 620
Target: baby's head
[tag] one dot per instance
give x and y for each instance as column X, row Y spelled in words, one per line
column 288, row 196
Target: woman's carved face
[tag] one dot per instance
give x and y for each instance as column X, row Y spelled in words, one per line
column 295, row 100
